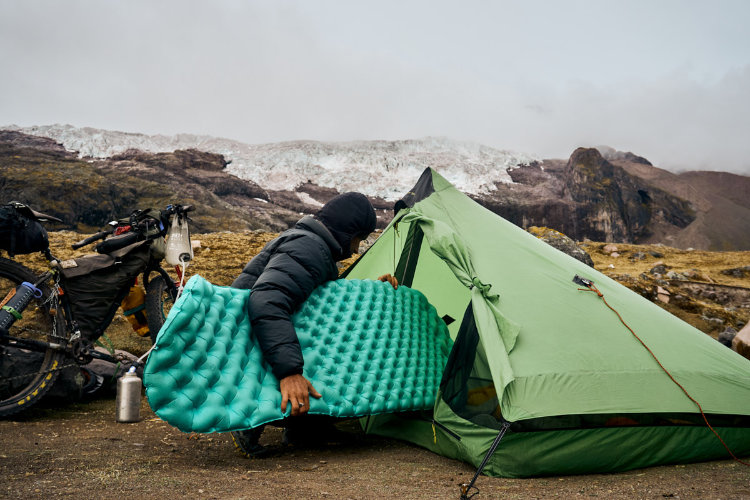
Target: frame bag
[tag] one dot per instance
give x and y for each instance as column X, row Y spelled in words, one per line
column 97, row 284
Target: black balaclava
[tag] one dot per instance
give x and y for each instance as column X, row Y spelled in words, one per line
column 347, row 216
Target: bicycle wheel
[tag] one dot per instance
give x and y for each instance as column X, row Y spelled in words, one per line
column 27, row 371
column 158, row 303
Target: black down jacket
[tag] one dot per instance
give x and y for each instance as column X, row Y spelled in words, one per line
column 282, row 276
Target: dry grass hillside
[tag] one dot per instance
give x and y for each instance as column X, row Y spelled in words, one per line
column 710, row 290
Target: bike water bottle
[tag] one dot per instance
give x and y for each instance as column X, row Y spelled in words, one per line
column 128, row 400
column 179, row 248
column 15, row 302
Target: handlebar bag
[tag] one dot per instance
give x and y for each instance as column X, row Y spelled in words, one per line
column 20, row 234
column 97, row 284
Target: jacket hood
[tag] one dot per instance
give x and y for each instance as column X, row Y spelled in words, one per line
column 348, row 216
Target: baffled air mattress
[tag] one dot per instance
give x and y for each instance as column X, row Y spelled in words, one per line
column 368, row 349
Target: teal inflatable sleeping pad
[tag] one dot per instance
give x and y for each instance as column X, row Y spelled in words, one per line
column 368, row 349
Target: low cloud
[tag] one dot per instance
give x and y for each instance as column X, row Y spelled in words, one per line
column 267, row 72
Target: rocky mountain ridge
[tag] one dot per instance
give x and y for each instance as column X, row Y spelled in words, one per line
column 380, row 169
column 598, row 194
column 589, row 197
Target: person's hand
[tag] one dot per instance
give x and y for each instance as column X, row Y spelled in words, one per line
column 390, row 279
column 297, row 390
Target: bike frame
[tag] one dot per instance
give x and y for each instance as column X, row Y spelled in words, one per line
column 78, row 350
column 61, row 338
column 71, row 342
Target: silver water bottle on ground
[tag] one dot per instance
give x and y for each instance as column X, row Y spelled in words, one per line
column 128, row 399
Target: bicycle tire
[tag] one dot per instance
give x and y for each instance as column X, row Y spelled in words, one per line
column 25, row 376
column 158, row 303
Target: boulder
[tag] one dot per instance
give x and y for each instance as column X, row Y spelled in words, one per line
column 659, row 269
column 737, row 272
column 727, row 336
column 671, row 275
column 562, row 243
column 637, row 256
column 741, row 342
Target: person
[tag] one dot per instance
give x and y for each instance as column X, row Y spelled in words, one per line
column 282, row 276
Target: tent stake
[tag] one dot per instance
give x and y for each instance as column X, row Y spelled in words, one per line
column 466, row 488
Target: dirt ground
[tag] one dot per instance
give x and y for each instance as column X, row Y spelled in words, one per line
column 78, row 450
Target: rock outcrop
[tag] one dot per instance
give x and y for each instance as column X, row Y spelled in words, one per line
column 588, row 197
column 613, row 205
column 562, row 243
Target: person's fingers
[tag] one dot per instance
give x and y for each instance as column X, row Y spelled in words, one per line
column 296, row 391
column 390, row 279
column 301, row 403
column 312, row 391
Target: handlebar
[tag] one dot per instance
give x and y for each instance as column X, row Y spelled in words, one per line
column 117, row 242
column 177, row 209
column 134, row 221
column 98, row 236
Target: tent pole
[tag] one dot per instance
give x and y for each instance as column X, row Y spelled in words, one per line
column 407, row 262
column 467, row 487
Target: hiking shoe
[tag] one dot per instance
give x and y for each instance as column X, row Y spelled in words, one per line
column 247, row 443
column 309, row 436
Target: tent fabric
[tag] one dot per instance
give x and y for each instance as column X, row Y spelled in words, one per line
column 549, row 352
column 450, row 247
column 562, row 452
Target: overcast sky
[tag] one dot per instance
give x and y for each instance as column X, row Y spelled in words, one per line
column 665, row 79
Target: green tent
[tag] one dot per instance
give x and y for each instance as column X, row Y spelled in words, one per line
column 541, row 367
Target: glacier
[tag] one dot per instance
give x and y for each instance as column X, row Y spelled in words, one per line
column 378, row 168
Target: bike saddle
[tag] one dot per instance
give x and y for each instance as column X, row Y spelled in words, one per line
column 31, row 213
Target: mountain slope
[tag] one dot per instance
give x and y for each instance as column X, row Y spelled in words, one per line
column 88, row 194
column 599, row 194
column 721, row 202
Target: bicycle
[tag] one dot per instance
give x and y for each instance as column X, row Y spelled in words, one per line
column 49, row 321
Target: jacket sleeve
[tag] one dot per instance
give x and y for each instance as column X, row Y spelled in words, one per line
column 254, row 268
column 297, row 266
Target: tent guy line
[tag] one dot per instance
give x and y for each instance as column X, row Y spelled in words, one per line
column 592, row 288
